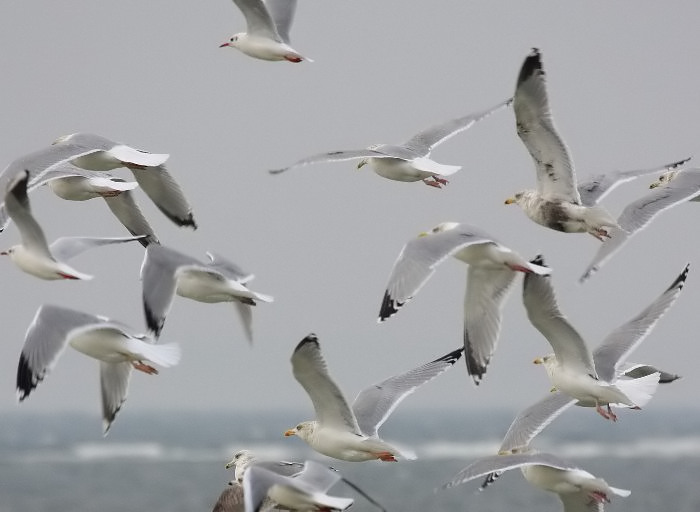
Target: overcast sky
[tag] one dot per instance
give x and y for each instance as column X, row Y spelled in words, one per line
column 623, row 84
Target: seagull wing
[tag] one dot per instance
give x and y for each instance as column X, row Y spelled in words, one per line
column 417, row 262
column 638, row 214
column 543, row 312
column 373, row 405
column 620, row 343
column 423, row 142
column 310, row 370
column 556, row 178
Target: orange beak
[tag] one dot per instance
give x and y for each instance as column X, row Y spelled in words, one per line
column 290, row 432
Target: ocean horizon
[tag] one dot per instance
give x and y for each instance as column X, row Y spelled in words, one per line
column 174, row 461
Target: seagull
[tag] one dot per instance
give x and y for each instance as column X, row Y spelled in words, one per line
column 33, row 255
column 243, row 459
column 305, row 491
column 535, row 418
column 347, row 433
column 578, row 490
column 411, row 160
column 118, row 348
column 267, row 35
column 492, row 270
column 674, row 187
column 166, row 272
column 594, row 379
column 148, row 170
column 556, row 203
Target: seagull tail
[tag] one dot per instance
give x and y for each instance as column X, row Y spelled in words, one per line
column 640, row 390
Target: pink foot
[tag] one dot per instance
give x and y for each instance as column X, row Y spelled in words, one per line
column 432, row 183
column 385, row 456
column 600, row 411
column 293, row 58
column 145, row 368
column 599, row 497
column 611, row 414
column 67, row 276
column 110, row 193
column 601, row 234
column 520, row 268
column 441, row 181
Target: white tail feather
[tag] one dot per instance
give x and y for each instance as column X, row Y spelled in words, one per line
column 167, row 354
column 639, row 390
column 620, row 492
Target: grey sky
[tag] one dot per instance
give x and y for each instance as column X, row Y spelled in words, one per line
column 623, row 85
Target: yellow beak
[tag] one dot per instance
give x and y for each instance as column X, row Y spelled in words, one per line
column 510, row 200
column 553, row 389
column 362, row 162
column 422, row 234
column 229, row 465
column 290, row 432
column 538, row 360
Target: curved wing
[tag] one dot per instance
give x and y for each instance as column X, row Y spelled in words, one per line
column 417, row 262
column 597, row 187
column 258, row 19
column 373, row 405
column 282, row 14
column 230, row 499
column 636, row 215
column 543, row 312
column 228, row 268
column 423, row 142
column 501, row 463
column 159, row 282
column 333, row 156
column 620, row 343
column 17, row 205
column 46, row 339
column 310, row 370
column 534, row 419
column 129, row 214
column 486, row 291
column 556, row 178
column 114, row 386
column 166, row 194
column 68, row 247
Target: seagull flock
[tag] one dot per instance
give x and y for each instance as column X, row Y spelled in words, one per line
column 78, row 167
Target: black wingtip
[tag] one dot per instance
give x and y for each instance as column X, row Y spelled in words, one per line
column 677, row 164
column 680, row 280
column 531, row 66
column 155, row 326
column 475, row 369
column 26, row 381
column 539, row 260
column 310, row 338
column 389, row 307
column 452, row 357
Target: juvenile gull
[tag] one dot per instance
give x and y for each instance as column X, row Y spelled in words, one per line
column 411, row 160
column 352, row 433
column 166, row 272
column 267, row 35
column 556, row 203
column 675, row 187
column 117, row 346
column 491, row 272
column 33, row 255
column 594, row 379
column 243, row 459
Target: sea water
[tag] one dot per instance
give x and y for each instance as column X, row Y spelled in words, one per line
column 174, row 462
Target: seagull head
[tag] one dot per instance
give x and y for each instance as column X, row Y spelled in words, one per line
column 62, row 138
column 443, row 226
column 664, row 178
column 9, row 251
column 515, row 199
column 305, row 429
column 549, row 362
column 233, row 42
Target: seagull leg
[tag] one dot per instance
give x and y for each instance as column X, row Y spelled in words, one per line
column 143, row 367
column 600, row 411
column 611, row 414
column 385, row 456
column 601, row 234
column 519, row 268
column 441, row 181
column 110, row 193
column 293, row 58
column 432, row 183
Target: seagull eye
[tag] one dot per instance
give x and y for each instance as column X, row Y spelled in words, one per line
column 298, row 427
